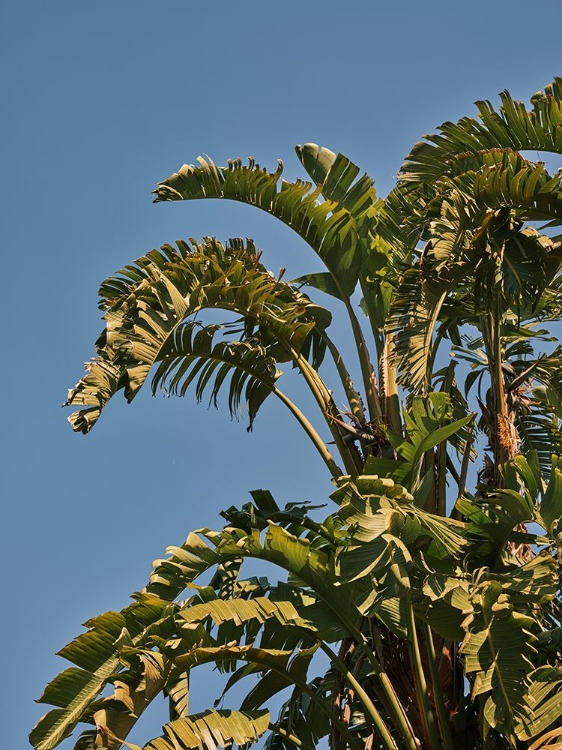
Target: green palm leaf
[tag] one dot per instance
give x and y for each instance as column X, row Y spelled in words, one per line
column 192, row 355
column 544, row 702
column 498, row 651
column 146, row 309
column 512, row 127
column 96, row 657
column 330, row 227
column 211, row 729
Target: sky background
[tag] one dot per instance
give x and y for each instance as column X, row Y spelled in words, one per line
column 102, row 100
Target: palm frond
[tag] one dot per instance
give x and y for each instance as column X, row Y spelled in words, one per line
column 96, row 659
column 146, row 310
column 510, row 127
column 330, row 227
column 211, row 729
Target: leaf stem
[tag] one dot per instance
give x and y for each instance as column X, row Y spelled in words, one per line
column 370, row 707
column 353, row 397
column 426, row 713
column 317, row 441
column 437, row 694
column 367, row 371
column 325, row 402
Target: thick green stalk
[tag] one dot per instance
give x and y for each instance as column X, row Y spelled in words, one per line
column 325, row 402
column 461, row 478
column 376, row 325
column 426, row 713
column 367, row 371
column 368, row 704
column 437, row 694
column 353, row 397
column 317, row 441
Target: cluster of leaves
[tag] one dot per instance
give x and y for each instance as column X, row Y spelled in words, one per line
column 366, row 575
column 437, row 611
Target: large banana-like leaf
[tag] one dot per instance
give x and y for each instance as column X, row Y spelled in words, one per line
column 331, row 227
column 505, row 178
column 512, row 126
column 146, row 310
column 274, row 630
column 549, row 511
column 498, row 651
column 544, row 701
column 192, row 354
column 428, row 423
column 211, row 729
column 96, row 657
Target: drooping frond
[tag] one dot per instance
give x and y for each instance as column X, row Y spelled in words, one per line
column 498, row 671
column 194, row 355
column 95, row 657
column 505, row 178
column 147, row 310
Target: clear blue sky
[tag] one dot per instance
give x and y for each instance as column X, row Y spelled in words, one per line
column 99, row 102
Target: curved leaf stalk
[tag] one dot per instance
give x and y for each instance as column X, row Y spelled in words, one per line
column 369, row 382
column 461, row 479
column 426, row 713
column 367, row 370
column 430, row 345
column 448, row 381
column 353, row 397
column 317, row 441
column 371, row 709
column 325, row 402
column 443, row 718
column 278, row 729
column 375, row 323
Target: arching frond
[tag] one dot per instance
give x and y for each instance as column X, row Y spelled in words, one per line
column 510, row 127
column 329, row 227
column 96, row 659
column 147, row 309
column 211, row 729
column 505, row 178
column 193, row 355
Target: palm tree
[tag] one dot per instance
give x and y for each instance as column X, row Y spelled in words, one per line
column 437, row 610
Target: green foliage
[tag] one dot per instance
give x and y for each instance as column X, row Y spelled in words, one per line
column 437, row 611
